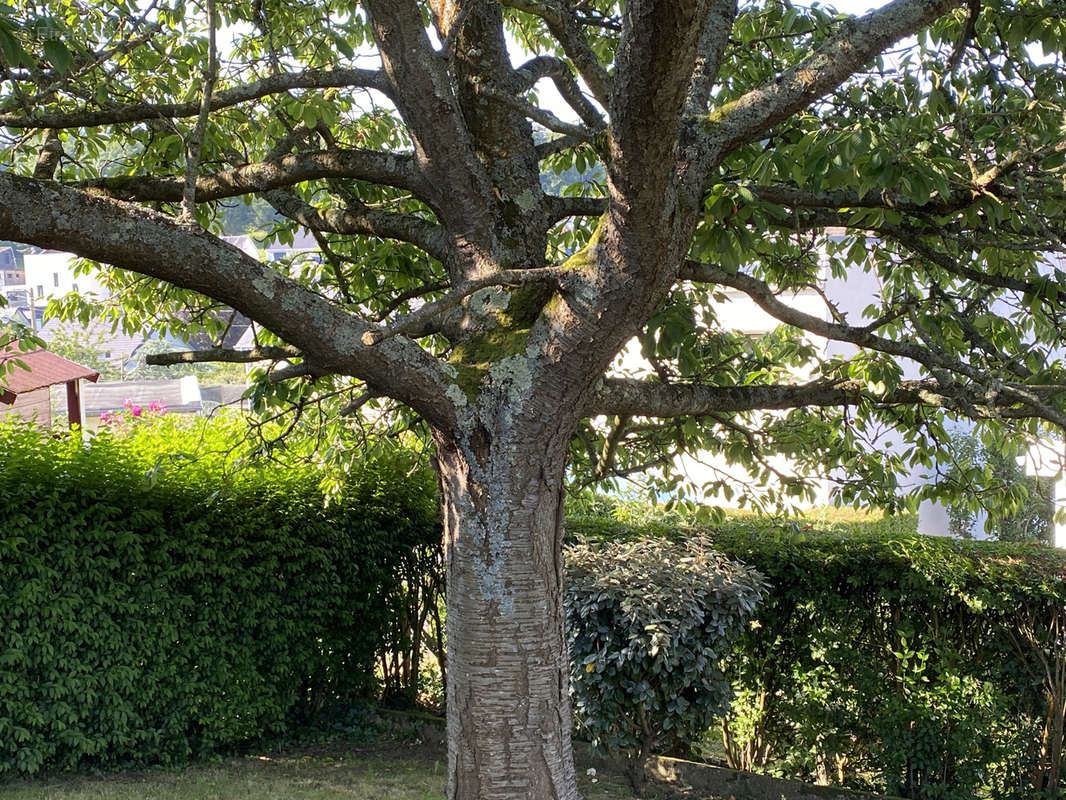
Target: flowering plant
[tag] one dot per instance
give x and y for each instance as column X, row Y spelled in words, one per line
column 131, row 411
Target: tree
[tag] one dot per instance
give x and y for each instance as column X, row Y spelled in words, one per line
column 1030, row 520
column 728, row 139
column 85, row 346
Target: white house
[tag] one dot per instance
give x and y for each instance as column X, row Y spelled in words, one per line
column 849, row 295
column 50, row 273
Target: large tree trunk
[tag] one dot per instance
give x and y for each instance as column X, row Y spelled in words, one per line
column 509, row 716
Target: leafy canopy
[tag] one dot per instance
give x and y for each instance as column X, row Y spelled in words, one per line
column 936, row 168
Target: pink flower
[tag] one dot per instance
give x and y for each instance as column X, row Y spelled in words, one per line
column 136, row 411
column 127, row 403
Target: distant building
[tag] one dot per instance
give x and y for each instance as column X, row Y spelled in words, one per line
column 11, row 273
column 50, row 273
column 12, row 277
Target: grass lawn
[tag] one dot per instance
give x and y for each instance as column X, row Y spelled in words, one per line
column 387, row 772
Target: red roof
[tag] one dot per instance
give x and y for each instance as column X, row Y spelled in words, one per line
column 45, row 369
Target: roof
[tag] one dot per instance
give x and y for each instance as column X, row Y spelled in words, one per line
column 45, row 369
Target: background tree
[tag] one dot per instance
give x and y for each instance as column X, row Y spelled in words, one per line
column 1028, row 516
column 727, row 138
column 85, row 346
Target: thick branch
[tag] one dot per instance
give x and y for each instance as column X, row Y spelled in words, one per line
column 365, row 165
column 418, row 318
column 424, row 95
column 545, row 118
column 935, row 360
column 51, row 216
column 49, row 157
column 221, row 355
column 634, row 397
column 364, row 221
column 802, row 198
column 559, row 72
column 859, row 41
column 713, row 40
column 563, row 207
column 565, row 28
column 139, row 112
column 649, row 93
column 556, row 145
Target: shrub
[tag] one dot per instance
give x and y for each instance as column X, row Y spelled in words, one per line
column 648, row 622
column 155, row 607
column 915, row 666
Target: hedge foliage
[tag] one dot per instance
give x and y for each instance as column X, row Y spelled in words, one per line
column 915, row 666
column 648, row 624
column 155, row 607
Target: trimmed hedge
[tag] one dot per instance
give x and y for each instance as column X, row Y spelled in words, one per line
column 154, row 608
column 916, row 666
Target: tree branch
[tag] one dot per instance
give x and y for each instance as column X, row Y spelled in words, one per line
column 556, row 145
column 418, row 318
column 649, row 92
column 365, row 221
column 563, row 207
column 49, row 157
column 140, row 112
column 935, row 360
column 545, row 118
column 641, row 398
column 221, row 355
column 563, row 25
column 365, row 165
column 859, row 41
column 713, row 40
column 559, row 72
column 424, row 95
column 195, row 143
column 52, row 216
column 305, row 369
column 911, row 239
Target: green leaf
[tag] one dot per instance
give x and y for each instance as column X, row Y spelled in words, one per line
column 58, row 55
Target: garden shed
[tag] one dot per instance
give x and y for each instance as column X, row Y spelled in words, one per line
column 26, row 379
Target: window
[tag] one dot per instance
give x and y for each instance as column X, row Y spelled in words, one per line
column 55, row 278
column 40, row 290
column 75, row 287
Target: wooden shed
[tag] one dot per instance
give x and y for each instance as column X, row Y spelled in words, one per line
column 24, row 387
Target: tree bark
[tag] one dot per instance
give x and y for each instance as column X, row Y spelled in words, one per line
column 509, row 718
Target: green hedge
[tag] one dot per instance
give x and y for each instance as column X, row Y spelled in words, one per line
column 915, row 666
column 154, row 607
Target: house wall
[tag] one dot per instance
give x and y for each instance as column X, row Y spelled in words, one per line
column 51, row 274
